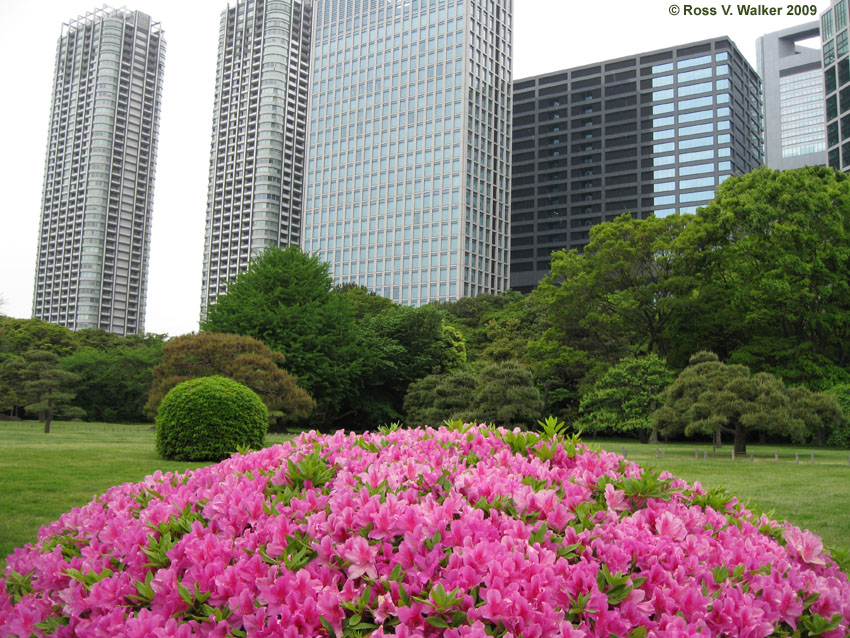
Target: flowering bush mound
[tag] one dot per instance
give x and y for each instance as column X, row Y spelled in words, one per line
column 462, row 531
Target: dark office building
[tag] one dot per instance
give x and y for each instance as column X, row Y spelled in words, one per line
column 655, row 132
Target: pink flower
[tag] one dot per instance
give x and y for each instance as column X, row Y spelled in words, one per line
column 361, row 555
column 669, row 524
column 615, row 499
column 804, row 544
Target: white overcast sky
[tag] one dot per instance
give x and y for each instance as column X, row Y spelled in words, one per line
column 548, row 35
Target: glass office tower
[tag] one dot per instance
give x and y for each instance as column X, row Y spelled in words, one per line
column 408, row 171
column 257, row 154
column 94, row 237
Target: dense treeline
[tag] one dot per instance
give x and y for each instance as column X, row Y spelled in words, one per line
column 757, row 282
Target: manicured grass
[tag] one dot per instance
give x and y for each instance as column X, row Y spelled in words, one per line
column 814, row 496
column 43, row 476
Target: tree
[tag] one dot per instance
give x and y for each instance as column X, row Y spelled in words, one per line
column 613, row 300
column 712, row 397
column 362, row 301
column 773, row 247
column 505, row 394
column 285, row 299
column 399, row 346
column 18, row 336
column 840, row 434
column 114, row 383
column 472, row 316
column 43, row 388
column 438, row 397
column 626, row 396
column 820, row 412
column 243, row 359
column 625, row 286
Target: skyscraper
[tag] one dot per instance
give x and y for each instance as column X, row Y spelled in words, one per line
column 408, row 170
column 836, row 67
column 650, row 133
column 94, row 237
column 792, row 83
column 257, row 154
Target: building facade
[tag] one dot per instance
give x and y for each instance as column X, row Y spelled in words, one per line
column 792, row 86
column 256, row 175
column 650, row 133
column 408, row 171
column 94, row 236
column 836, row 74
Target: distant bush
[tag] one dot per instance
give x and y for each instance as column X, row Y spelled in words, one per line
column 206, row 419
column 840, row 435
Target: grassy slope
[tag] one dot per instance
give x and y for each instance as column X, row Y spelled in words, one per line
column 42, row 477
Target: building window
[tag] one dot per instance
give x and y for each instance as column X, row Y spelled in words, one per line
column 691, row 89
column 826, row 26
column 684, row 64
column 845, row 154
column 829, row 79
column 840, row 15
column 829, row 53
column 843, row 71
column 832, row 131
column 841, row 44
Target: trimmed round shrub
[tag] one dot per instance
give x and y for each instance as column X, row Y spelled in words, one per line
column 208, row 418
column 465, row 532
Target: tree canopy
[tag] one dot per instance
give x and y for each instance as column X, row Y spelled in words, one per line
column 773, row 255
column 36, row 381
column 711, row 397
column 285, row 299
column 625, row 397
column 243, row 359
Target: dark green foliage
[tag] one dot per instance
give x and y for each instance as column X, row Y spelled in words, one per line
column 286, row 300
column 114, row 382
column 840, row 434
column 773, row 255
column 505, row 395
column 208, row 418
column 617, row 296
column 711, row 397
column 820, row 413
column 438, row 397
column 243, row 359
column 625, row 397
column 35, row 381
column 611, row 301
column 396, row 347
column 478, row 318
column 362, row 301
column 18, row 336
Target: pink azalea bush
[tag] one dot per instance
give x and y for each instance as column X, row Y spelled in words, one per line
column 457, row 532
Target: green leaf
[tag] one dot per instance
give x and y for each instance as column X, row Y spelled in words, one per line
column 436, row 621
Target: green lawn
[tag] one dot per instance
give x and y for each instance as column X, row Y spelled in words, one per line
column 43, row 476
